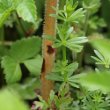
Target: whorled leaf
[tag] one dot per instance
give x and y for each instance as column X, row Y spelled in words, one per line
column 91, row 5
column 103, row 46
column 76, row 44
column 77, row 16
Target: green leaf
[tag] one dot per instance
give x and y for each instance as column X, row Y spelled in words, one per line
column 91, row 5
column 99, row 55
column 67, row 39
column 12, row 70
column 72, row 68
column 27, row 90
column 96, row 22
column 26, row 9
column 69, row 14
column 5, row 10
column 75, row 44
column 34, row 65
column 25, row 48
column 103, row 46
column 76, row 16
column 96, row 81
column 22, row 51
column 73, row 80
column 63, row 72
column 3, row 51
column 11, row 101
column 52, row 95
column 100, row 59
column 70, row 6
column 55, row 77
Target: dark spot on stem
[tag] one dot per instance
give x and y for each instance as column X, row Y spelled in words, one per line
column 50, row 50
column 43, row 66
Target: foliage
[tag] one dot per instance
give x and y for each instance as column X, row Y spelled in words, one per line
column 69, row 14
column 27, row 90
column 64, row 73
column 81, row 71
column 96, row 81
column 94, row 101
column 91, row 6
column 26, row 7
column 11, row 101
column 67, row 39
column 62, row 101
column 22, row 52
column 103, row 46
column 22, row 7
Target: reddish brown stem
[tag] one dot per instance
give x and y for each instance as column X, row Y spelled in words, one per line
column 48, row 51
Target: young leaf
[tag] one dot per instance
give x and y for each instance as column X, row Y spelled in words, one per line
column 69, row 14
column 76, row 16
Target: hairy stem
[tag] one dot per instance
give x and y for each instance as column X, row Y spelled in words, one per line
column 48, row 52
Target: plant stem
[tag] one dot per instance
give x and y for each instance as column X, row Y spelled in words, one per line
column 80, row 56
column 47, row 50
column 19, row 25
column 64, row 53
column 64, row 59
column 2, row 35
column 86, row 22
column 6, row 43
